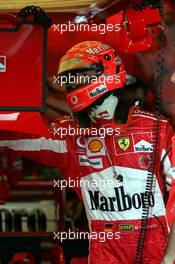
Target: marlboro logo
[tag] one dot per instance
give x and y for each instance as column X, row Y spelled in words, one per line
column 2, row 63
column 121, row 201
column 99, row 90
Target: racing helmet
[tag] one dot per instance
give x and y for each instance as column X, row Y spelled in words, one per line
column 92, row 55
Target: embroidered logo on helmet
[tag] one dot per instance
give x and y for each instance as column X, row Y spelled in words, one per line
column 100, row 48
column 99, row 90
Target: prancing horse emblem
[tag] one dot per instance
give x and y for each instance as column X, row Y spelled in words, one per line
column 124, row 143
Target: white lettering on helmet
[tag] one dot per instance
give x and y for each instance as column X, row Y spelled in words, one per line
column 98, row 90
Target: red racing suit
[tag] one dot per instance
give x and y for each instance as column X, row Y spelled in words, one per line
column 112, row 171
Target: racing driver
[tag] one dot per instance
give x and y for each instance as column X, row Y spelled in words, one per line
column 121, row 157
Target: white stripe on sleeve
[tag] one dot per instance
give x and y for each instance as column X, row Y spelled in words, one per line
column 58, row 146
column 9, row 117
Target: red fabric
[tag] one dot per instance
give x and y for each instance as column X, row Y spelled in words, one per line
column 22, row 257
column 24, row 122
column 129, row 151
column 79, row 261
column 123, row 247
column 21, row 65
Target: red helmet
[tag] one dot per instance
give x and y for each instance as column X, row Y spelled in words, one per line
column 113, row 74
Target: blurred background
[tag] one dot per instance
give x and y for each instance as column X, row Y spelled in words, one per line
column 31, row 208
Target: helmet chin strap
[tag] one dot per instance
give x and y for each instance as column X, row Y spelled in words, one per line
column 104, row 111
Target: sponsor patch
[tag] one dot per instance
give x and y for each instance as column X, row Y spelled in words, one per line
column 108, row 228
column 98, row 90
column 145, row 113
column 124, row 143
column 126, row 227
column 95, row 146
column 94, row 163
column 100, row 48
column 143, row 146
column 143, row 161
column 120, row 201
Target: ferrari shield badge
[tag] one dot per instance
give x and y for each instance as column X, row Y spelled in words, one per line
column 124, row 143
